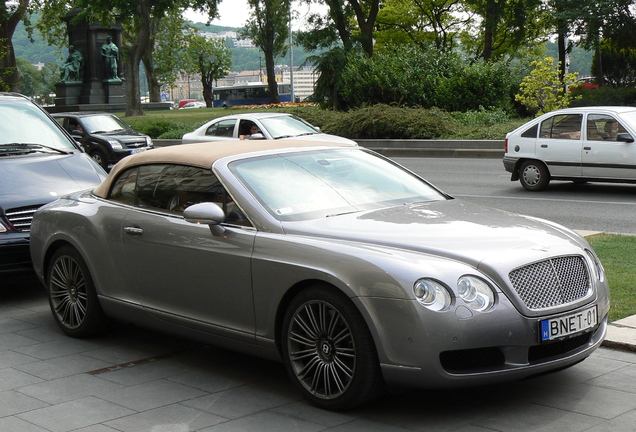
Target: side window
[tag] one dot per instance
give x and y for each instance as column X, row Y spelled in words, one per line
column 562, row 126
column 224, row 128
column 531, row 133
column 174, row 188
column 603, row 127
column 124, row 188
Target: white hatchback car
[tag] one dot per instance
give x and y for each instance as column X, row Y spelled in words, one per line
column 578, row 144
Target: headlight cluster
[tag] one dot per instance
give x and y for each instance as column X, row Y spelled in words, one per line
column 116, row 145
column 432, row 294
column 476, row 293
column 598, row 267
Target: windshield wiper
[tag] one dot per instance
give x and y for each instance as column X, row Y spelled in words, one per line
column 308, row 133
column 31, row 148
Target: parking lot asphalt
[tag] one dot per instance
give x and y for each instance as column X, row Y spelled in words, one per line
column 136, row 380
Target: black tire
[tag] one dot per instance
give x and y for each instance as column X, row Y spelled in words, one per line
column 534, row 176
column 72, row 295
column 100, row 157
column 328, row 350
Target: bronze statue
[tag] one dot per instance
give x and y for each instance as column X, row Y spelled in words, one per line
column 72, row 69
column 110, row 52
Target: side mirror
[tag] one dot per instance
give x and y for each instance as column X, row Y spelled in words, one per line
column 257, row 136
column 624, row 137
column 206, row 213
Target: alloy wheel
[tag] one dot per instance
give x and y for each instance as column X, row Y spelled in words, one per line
column 321, row 349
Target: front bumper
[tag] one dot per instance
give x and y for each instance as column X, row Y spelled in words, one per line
column 418, row 348
column 14, row 253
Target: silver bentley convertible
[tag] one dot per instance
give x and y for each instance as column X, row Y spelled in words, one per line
column 357, row 273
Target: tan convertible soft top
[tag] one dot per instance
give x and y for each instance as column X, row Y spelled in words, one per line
column 202, row 155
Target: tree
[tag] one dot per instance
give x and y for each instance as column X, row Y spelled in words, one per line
column 506, row 26
column 338, row 21
column 268, row 26
column 422, row 22
column 212, row 59
column 170, row 56
column 11, row 13
column 543, row 91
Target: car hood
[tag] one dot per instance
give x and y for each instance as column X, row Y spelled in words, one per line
column 38, row 179
column 128, row 136
column 475, row 235
column 323, row 137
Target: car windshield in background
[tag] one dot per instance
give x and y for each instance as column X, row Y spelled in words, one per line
column 629, row 118
column 103, row 124
column 309, row 185
column 287, row 126
column 25, row 125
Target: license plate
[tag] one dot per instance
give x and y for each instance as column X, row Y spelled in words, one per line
column 567, row 325
column 139, row 150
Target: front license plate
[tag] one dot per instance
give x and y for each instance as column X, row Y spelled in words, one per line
column 139, row 150
column 567, row 325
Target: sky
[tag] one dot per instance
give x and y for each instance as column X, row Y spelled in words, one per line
column 233, row 13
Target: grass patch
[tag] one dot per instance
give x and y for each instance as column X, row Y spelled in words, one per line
column 616, row 252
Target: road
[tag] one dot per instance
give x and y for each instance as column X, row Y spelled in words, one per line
column 594, row 206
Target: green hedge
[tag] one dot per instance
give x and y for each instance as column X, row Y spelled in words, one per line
column 377, row 121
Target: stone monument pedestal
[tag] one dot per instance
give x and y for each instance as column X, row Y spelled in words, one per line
column 67, row 93
column 115, row 92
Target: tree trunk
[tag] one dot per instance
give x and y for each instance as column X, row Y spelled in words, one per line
column 9, row 74
column 154, row 87
column 134, row 56
column 489, row 29
column 271, row 77
column 366, row 23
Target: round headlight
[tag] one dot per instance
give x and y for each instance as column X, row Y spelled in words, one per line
column 432, row 294
column 476, row 293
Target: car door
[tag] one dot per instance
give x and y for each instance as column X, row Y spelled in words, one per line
column 604, row 155
column 185, row 274
column 559, row 144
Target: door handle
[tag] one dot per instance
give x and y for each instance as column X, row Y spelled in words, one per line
column 133, row 231
column 544, row 146
column 587, row 148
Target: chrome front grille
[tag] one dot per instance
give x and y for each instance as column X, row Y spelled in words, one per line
column 550, row 283
column 20, row 218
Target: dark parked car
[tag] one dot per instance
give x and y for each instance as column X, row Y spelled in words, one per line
column 105, row 137
column 39, row 162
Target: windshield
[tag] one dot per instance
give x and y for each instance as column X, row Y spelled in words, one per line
column 24, row 123
column 287, row 126
column 103, row 124
column 630, row 118
column 308, row 185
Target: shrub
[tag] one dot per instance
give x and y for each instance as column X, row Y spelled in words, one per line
column 605, row 96
column 391, row 122
column 409, row 76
